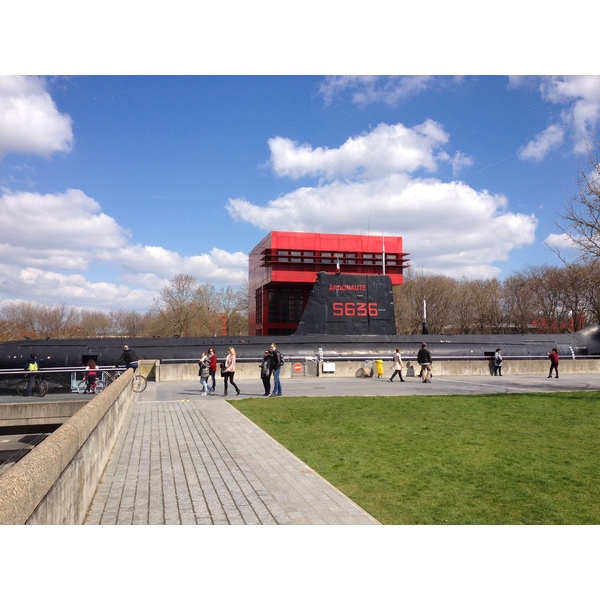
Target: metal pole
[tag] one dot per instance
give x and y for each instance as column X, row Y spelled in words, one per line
column 383, row 251
column 425, row 326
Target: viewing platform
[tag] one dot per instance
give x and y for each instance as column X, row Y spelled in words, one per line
column 169, row 455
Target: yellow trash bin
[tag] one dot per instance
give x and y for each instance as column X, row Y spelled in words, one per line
column 379, row 364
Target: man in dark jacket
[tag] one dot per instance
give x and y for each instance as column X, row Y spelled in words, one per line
column 276, row 364
column 129, row 357
column 424, row 359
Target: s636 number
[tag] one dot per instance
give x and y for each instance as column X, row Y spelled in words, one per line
column 355, row 309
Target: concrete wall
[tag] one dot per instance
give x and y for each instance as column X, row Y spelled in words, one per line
column 449, row 368
column 55, row 482
column 36, row 413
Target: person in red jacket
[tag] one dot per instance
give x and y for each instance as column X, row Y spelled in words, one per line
column 212, row 366
column 553, row 362
column 90, row 376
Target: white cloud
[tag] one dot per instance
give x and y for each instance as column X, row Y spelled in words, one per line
column 544, row 142
column 30, row 123
column 53, row 243
column 74, row 289
column 370, row 89
column 384, row 150
column 560, row 241
column 448, row 227
column 579, row 97
column 459, row 161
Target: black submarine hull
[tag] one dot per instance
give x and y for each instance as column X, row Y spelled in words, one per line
column 105, row 351
column 347, row 317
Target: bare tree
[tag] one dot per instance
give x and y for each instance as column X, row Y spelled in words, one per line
column 128, row 323
column 517, row 302
column 208, row 318
column 478, row 306
column 234, row 306
column 439, row 294
column 545, row 289
column 94, row 323
column 177, row 306
column 590, row 281
column 582, row 212
column 490, row 312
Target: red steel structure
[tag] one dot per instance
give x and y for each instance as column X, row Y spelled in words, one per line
column 284, row 265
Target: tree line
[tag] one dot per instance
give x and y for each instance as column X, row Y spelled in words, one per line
column 183, row 308
column 539, row 299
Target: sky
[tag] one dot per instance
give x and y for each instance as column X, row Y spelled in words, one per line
column 113, row 183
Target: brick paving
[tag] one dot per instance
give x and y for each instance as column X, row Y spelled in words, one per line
column 182, row 458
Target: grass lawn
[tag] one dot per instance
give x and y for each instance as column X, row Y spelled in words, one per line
column 492, row 459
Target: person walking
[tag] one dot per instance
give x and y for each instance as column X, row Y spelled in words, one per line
column 398, row 364
column 229, row 372
column 213, row 367
column 204, row 372
column 424, row 360
column 276, row 363
column 498, row 362
column 265, row 372
column 553, row 355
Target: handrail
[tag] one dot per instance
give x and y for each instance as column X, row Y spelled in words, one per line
column 58, row 370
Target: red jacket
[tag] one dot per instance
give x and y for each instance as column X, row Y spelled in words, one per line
column 553, row 357
column 213, row 363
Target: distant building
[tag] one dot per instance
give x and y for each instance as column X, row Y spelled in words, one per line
column 284, row 266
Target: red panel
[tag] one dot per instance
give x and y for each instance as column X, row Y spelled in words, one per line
column 266, row 268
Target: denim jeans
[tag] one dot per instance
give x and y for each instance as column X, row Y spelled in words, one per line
column 204, row 382
column 276, row 382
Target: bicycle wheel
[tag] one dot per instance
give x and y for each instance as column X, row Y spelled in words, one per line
column 139, row 383
column 22, row 387
column 82, row 387
column 41, row 389
column 99, row 386
column 110, row 378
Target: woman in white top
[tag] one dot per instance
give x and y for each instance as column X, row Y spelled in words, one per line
column 397, row 365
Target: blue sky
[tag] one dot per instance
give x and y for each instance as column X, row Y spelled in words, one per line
column 111, row 185
column 124, row 164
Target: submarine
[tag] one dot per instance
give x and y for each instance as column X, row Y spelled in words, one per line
column 347, row 317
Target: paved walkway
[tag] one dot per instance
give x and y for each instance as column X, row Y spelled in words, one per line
column 182, row 458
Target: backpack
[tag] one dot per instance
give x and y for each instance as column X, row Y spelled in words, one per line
column 281, row 360
column 32, row 366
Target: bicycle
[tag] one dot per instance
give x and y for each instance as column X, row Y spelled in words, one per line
column 95, row 388
column 39, row 388
column 139, row 381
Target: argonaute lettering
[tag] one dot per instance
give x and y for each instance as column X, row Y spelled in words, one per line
column 347, row 288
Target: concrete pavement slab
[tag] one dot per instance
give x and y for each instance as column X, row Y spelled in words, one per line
column 184, row 458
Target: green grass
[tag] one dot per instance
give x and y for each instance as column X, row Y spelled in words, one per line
column 493, row 459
